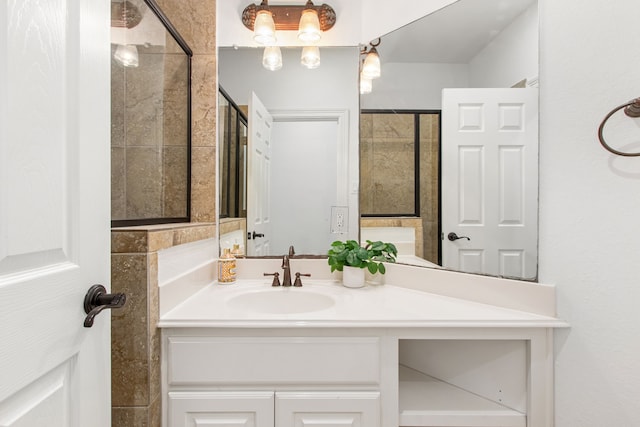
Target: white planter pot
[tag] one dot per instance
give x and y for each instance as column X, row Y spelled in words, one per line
column 353, row 277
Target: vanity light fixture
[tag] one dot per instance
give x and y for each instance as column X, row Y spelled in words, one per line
column 264, row 28
column 310, row 57
column 371, row 64
column 272, row 58
column 287, row 17
column 126, row 55
column 309, row 27
column 366, row 85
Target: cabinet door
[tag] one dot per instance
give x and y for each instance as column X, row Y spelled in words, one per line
column 328, row 409
column 220, row 409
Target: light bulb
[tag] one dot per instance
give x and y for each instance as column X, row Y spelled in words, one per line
column 264, row 29
column 366, row 85
column 371, row 65
column 310, row 57
column 126, row 55
column 309, row 26
column 272, row 58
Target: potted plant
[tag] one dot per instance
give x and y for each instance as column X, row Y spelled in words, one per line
column 352, row 259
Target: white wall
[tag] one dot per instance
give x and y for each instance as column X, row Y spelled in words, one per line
column 590, row 208
column 405, row 86
column 510, row 57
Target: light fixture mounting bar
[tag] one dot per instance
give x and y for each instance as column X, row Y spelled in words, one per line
column 287, row 17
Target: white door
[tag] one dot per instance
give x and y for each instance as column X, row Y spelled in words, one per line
column 54, row 211
column 307, row 190
column 259, row 179
column 490, row 181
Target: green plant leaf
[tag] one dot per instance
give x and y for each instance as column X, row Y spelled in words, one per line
column 373, row 268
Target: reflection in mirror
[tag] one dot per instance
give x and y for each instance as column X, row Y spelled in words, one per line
column 150, row 117
column 475, row 44
column 483, row 159
column 308, row 165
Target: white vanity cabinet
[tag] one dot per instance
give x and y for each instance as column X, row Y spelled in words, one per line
column 380, row 356
column 266, row 381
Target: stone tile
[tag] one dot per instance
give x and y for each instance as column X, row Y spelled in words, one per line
column 393, row 125
column 175, row 101
column 193, row 234
column 174, row 182
column 144, row 182
column 118, row 194
column 155, row 412
column 195, row 20
column 130, row 417
column 117, row 102
column 204, row 104
column 143, row 100
column 129, row 331
column 203, row 187
column 366, row 126
column 228, row 225
column 127, row 241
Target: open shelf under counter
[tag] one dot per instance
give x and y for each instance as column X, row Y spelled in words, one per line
column 427, row 401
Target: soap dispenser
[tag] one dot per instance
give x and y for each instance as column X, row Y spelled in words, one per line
column 227, row 267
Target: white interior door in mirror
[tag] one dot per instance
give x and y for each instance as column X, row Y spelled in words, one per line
column 54, row 212
column 490, row 166
column 304, row 153
column 259, row 179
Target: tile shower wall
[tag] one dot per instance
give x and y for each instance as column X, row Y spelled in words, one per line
column 387, row 170
column 148, row 149
column 148, row 168
column 135, row 338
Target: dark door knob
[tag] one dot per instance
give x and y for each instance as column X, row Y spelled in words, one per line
column 253, row 235
column 97, row 299
column 453, row 237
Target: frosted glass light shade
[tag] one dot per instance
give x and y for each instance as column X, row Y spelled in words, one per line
column 366, row 85
column 272, row 58
column 371, row 65
column 309, row 27
column 264, row 29
column 310, row 57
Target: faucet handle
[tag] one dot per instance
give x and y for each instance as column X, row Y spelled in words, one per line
column 298, row 281
column 276, row 278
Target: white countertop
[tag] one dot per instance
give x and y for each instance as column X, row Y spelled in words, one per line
column 370, row 306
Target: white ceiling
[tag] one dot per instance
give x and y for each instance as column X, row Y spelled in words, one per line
column 454, row 34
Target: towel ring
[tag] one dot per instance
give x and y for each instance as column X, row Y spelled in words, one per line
column 631, row 109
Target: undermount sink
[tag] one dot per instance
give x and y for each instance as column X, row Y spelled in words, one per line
column 281, row 301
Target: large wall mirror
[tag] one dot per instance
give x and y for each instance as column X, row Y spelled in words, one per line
column 448, row 134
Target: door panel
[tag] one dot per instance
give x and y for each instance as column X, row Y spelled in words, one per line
column 259, row 178
column 54, row 211
column 490, row 180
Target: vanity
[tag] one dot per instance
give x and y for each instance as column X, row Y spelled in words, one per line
column 428, row 348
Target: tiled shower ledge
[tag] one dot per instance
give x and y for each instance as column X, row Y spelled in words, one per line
column 152, row 238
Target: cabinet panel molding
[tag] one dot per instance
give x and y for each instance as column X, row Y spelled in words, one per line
column 328, row 409
column 278, row 360
column 221, row 409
